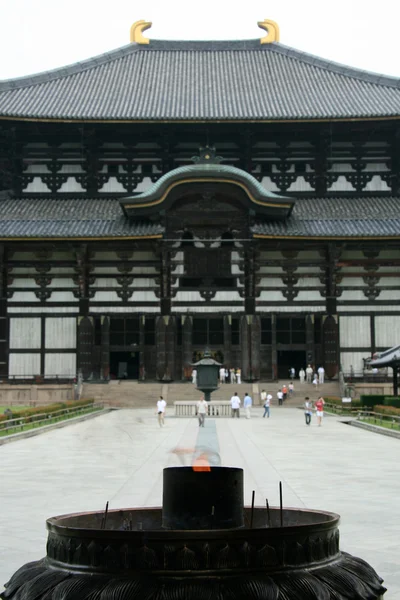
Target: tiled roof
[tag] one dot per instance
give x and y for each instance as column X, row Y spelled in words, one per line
column 203, row 81
column 72, row 218
column 337, row 217
column 98, row 218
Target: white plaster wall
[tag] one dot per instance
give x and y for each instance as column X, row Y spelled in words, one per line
column 36, row 185
column 353, row 359
column 61, row 365
column 42, row 309
column 389, row 295
column 100, row 282
column 341, row 185
column 144, row 297
column 105, row 310
column 206, row 309
column 387, row 331
column 269, row 185
column 309, row 296
column 71, row 185
column 62, row 297
column 60, row 332
column 293, row 309
column 25, row 332
column 270, row 282
column 270, row 270
column 352, row 295
column 272, row 296
column 110, row 296
column 355, row 332
column 112, row 185
column 62, row 282
column 225, row 296
column 351, row 282
column 23, row 282
column 377, row 184
column 300, row 185
column 24, row 297
column 306, row 282
column 24, row 365
column 188, row 297
column 376, row 308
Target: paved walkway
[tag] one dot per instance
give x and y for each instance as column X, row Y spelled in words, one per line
column 119, row 457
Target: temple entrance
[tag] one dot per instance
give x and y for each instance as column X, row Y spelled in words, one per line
column 288, row 359
column 124, row 365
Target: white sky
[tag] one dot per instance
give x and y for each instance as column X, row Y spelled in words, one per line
column 37, row 35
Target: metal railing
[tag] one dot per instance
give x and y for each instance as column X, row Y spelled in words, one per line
column 41, row 419
column 388, row 421
column 216, row 408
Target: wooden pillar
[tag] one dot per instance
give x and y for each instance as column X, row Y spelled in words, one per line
column 165, row 282
column 165, row 347
column 310, row 340
column 228, row 340
column 395, row 380
column 85, row 346
column 142, row 360
column 330, row 331
column 250, row 338
column 4, row 321
column 373, row 337
column 274, row 349
column 105, row 348
column 187, row 358
column 85, row 323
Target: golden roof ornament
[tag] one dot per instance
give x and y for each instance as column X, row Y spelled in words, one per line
column 272, row 30
column 136, row 33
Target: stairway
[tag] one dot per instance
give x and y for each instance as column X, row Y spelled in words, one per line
column 132, row 394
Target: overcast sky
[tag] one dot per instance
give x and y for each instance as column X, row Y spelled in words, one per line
column 37, row 35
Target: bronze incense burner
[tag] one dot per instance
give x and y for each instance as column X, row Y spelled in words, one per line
column 201, row 545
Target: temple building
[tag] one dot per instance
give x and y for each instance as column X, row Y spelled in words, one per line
column 172, row 195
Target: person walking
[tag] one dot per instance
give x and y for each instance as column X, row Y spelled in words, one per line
column 292, row 373
column 291, row 389
column 232, row 375
column 194, row 376
column 284, row 392
column 315, row 381
column 307, row 410
column 227, row 376
column 302, row 375
column 247, row 402
column 222, row 375
column 280, row 397
column 319, row 407
column 235, row 405
column 321, row 374
column 263, row 397
column 309, row 374
column 161, row 405
column 202, row 411
column 267, row 405
column 238, row 376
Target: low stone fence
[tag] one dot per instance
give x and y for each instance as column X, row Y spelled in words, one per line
column 32, row 395
column 216, row 408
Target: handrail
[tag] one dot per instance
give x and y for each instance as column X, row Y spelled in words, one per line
column 216, row 408
column 381, row 416
column 38, row 418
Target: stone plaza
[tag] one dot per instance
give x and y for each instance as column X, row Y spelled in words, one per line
column 119, row 457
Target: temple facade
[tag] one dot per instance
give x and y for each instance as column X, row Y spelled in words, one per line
column 168, row 196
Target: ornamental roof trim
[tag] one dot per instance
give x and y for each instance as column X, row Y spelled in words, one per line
column 260, row 198
column 144, row 75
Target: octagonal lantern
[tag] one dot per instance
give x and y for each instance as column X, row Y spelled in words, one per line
column 207, row 374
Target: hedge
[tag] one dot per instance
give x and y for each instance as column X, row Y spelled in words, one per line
column 45, row 410
column 387, row 410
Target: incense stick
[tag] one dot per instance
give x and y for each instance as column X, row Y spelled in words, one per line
column 252, row 509
column 281, row 502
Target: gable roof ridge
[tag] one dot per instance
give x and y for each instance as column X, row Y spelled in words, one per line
column 199, row 46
